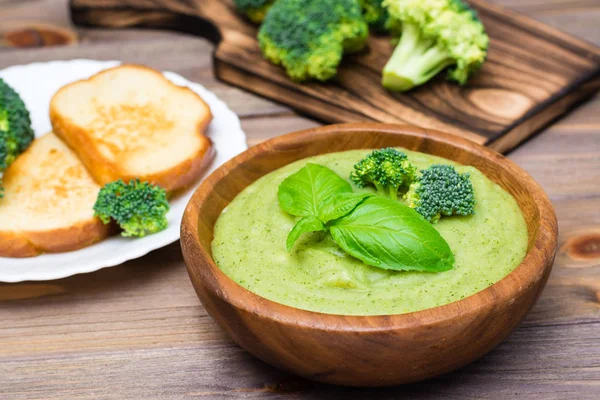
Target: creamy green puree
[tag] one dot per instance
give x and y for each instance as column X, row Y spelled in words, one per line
column 249, row 247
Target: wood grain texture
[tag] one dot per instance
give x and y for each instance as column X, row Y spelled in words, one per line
column 366, row 350
column 138, row 331
column 534, row 73
column 28, row 34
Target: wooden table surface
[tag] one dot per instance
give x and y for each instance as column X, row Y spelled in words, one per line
column 138, row 331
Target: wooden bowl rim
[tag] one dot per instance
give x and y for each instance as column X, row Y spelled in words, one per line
column 521, row 279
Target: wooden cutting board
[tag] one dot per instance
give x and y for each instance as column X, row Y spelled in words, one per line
column 533, row 75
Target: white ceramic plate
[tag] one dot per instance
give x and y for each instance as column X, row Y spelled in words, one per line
column 37, row 83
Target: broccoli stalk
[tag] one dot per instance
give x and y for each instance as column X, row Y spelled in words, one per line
column 435, row 34
column 386, row 169
column 255, row 10
column 414, row 61
column 441, row 190
column 15, row 127
column 309, row 37
column 139, row 208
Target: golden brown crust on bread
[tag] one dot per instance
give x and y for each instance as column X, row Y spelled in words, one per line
column 104, row 170
column 48, row 202
column 31, row 244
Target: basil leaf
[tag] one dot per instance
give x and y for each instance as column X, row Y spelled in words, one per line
column 339, row 205
column 387, row 234
column 301, row 194
column 306, row 224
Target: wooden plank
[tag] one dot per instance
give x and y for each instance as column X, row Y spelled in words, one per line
column 124, row 328
column 533, row 75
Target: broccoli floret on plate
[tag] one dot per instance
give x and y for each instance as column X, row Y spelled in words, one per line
column 15, row 127
column 139, row 208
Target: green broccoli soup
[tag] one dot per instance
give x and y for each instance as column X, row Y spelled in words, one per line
column 369, row 249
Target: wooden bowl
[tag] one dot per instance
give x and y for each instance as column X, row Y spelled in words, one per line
column 367, row 350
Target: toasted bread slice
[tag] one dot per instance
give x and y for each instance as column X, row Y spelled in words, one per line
column 131, row 122
column 48, row 202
